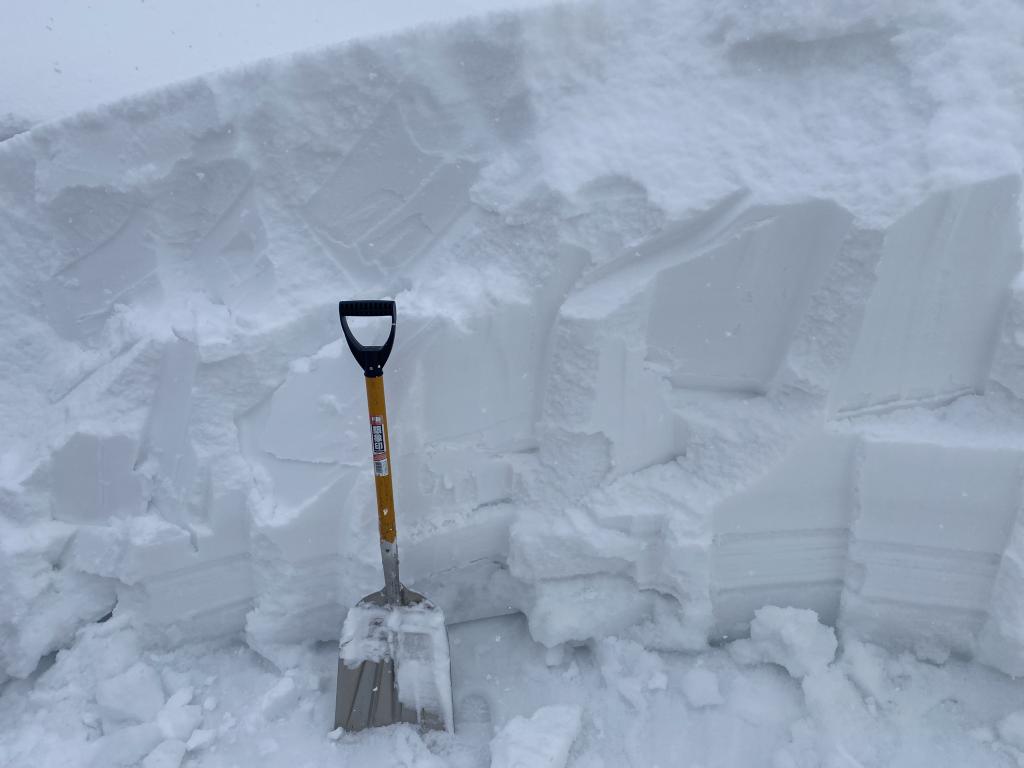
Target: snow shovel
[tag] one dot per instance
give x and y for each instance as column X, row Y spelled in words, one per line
column 393, row 665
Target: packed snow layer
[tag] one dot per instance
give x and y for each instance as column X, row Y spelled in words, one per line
column 700, row 310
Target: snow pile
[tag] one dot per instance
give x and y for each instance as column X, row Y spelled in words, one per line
column 699, row 311
column 107, row 705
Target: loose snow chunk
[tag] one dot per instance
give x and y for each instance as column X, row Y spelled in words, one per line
column 790, row 637
column 416, row 638
column 126, row 746
column 1011, row 729
column 178, row 722
column 629, row 668
column 167, row 755
column 701, row 688
column 279, row 699
column 134, row 695
column 864, row 664
column 200, row 739
column 542, row 741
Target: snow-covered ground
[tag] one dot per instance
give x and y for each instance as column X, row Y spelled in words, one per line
column 709, row 318
column 613, row 703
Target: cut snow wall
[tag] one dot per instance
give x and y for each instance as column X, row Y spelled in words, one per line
column 697, row 313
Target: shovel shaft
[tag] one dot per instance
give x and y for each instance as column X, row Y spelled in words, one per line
column 382, row 479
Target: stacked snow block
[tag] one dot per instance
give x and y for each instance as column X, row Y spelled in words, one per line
column 783, row 540
column 934, row 319
column 657, row 349
column 921, row 561
column 921, row 567
column 641, row 386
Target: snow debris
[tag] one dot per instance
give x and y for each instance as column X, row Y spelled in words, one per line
column 630, row 669
column 790, row 637
column 267, row 746
column 541, row 741
column 982, row 733
column 555, row 656
column 839, row 727
column 700, row 686
column 1011, row 729
column 126, row 746
column 178, row 721
column 865, row 665
column 181, row 697
column 135, row 695
column 280, row 699
column 200, row 739
column 169, row 754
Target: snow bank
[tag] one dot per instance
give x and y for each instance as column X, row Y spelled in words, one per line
column 699, row 311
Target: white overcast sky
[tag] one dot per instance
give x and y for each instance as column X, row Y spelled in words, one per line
column 61, row 56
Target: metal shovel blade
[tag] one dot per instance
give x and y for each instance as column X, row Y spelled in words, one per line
column 393, row 665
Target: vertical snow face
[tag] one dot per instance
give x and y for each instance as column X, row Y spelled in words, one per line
column 786, row 536
column 698, row 312
column 933, row 321
column 921, row 563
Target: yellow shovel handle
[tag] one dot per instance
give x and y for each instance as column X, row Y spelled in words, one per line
column 381, row 457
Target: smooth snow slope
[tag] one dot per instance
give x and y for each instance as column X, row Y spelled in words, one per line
column 700, row 310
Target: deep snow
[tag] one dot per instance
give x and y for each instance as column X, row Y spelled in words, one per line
column 701, row 311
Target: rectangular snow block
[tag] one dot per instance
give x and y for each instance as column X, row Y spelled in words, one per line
column 931, row 524
column 80, row 297
column 936, row 496
column 723, row 318
column 934, row 316
column 94, row 480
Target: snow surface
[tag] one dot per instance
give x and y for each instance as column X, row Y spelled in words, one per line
column 701, row 310
column 62, row 57
column 873, row 707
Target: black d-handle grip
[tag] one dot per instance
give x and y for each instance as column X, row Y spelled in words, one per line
column 371, row 359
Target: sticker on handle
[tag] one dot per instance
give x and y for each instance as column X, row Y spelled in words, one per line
column 380, row 455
